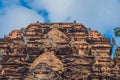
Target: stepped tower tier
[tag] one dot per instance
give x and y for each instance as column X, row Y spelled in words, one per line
column 57, row 51
column 117, row 55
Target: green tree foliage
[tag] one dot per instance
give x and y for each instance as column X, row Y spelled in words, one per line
column 117, row 31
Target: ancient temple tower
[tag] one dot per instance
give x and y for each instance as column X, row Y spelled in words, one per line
column 57, row 51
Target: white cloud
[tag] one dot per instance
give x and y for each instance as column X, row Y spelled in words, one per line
column 15, row 17
column 86, row 11
column 58, row 10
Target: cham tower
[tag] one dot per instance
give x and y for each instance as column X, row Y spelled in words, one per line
column 57, row 51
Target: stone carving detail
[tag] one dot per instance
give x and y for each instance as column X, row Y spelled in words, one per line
column 57, row 51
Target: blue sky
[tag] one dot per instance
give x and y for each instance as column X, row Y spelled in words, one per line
column 101, row 15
